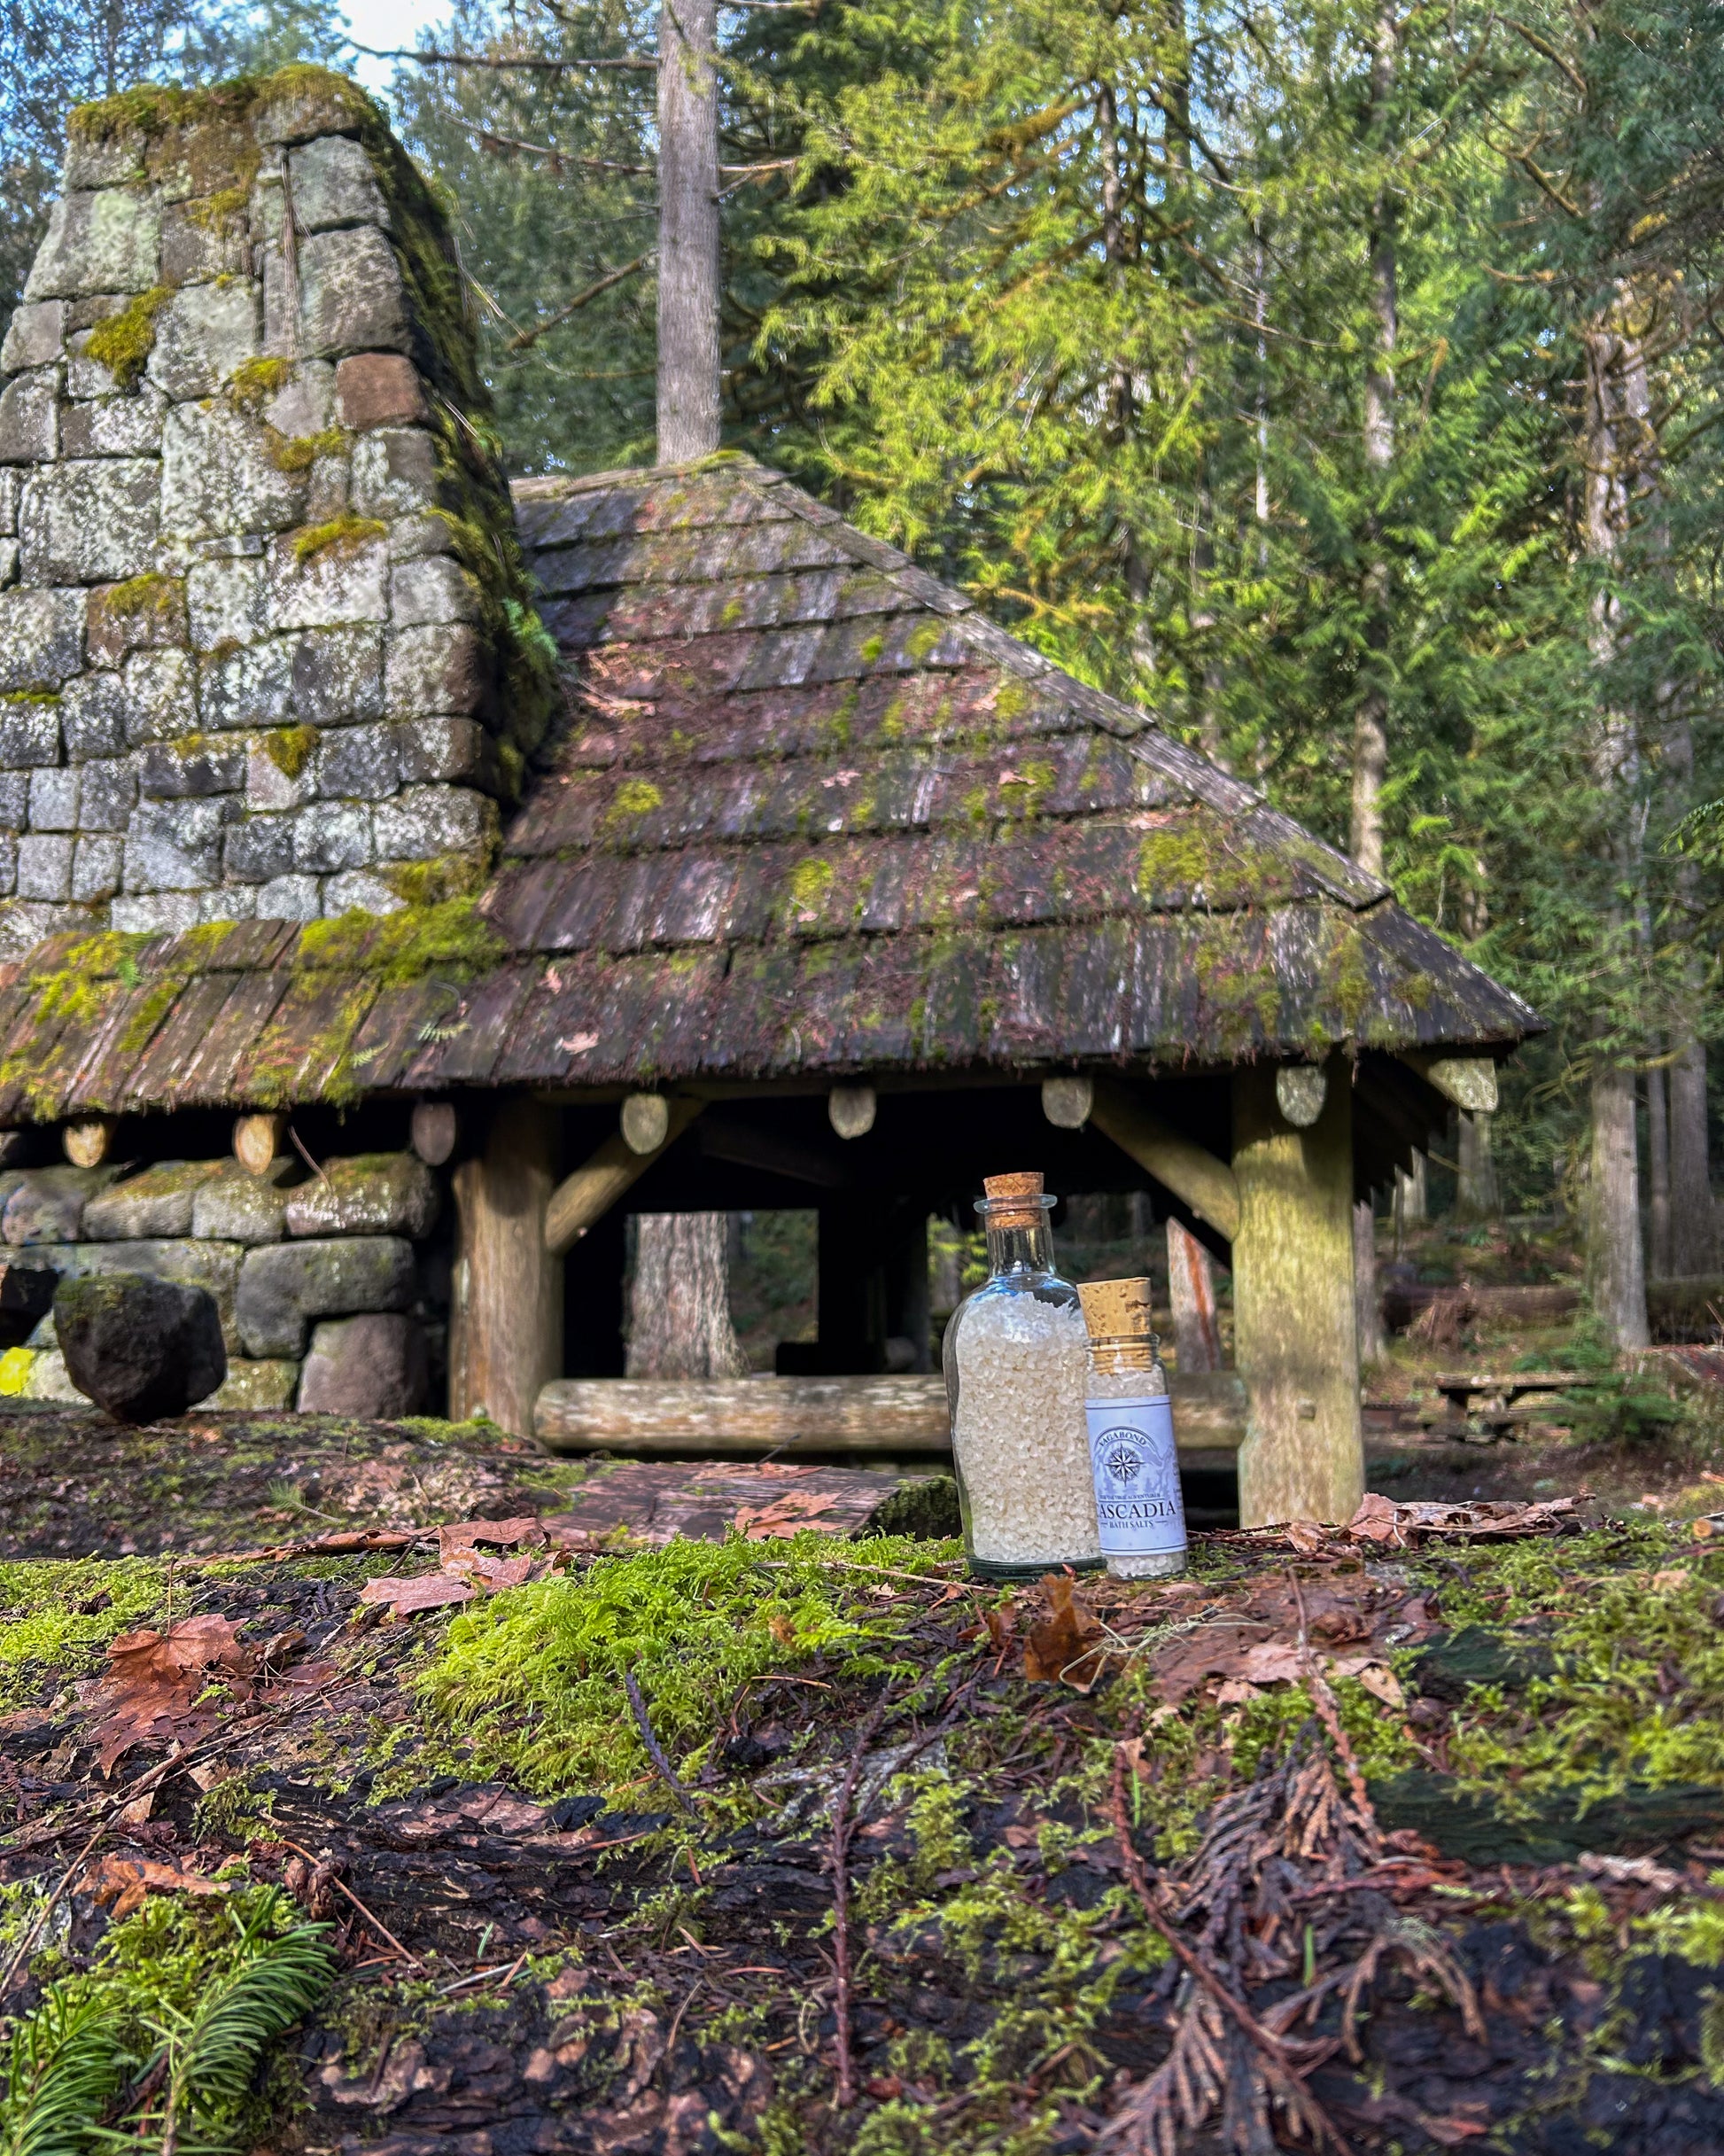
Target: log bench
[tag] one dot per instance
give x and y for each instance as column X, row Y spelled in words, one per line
column 894, row 1417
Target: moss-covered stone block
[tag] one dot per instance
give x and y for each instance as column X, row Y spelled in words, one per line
column 367, row 1194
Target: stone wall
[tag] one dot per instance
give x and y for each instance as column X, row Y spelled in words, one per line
column 331, row 1286
column 266, row 645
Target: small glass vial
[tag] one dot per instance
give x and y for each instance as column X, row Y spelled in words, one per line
column 1140, row 1513
column 1016, row 1359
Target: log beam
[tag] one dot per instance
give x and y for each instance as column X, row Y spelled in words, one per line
column 743, row 1418
column 1468, row 1081
column 594, row 1187
column 1295, row 1338
column 506, row 1309
column 1193, row 1174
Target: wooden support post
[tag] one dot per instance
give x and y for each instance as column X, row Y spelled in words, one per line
column 594, row 1187
column 506, row 1312
column 1295, row 1339
column 1180, row 1163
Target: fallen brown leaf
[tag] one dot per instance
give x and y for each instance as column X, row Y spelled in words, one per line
column 125, row 1880
column 1066, row 1646
column 784, row 1516
column 427, row 1590
column 465, row 1534
column 150, row 1691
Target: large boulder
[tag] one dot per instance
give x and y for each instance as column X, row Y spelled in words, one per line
column 141, row 1348
column 371, row 1367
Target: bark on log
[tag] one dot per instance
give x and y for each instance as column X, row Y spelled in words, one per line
column 1296, row 1332
column 505, row 1311
column 593, row 1189
column 1192, row 1293
column 1205, row 1184
column 745, row 1417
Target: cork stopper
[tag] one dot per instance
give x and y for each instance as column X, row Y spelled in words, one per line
column 1115, row 1310
column 1026, row 1183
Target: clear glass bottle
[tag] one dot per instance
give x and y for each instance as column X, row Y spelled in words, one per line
column 1140, row 1511
column 1016, row 1361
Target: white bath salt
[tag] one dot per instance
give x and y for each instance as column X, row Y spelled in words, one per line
column 1021, row 1436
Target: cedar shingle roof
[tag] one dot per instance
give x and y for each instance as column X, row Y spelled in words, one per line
column 811, row 814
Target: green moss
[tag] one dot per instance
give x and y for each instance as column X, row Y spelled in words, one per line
column 123, row 342
column 530, row 1684
column 290, row 748
column 300, row 452
column 809, row 881
column 59, row 1618
column 1173, row 857
column 433, row 882
column 38, row 694
column 150, row 593
column 872, row 649
column 255, row 381
column 224, row 207
column 341, row 535
column 922, row 638
column 153, row 109
column 634, row 798
column 452, row 939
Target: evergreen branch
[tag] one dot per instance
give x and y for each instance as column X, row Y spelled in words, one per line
column 1543, row 46
column 64, row 2065
column 526, row 338
column 429, row 57
column 558, row 159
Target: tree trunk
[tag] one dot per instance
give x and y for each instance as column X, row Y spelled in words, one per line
column 1411, row 1202
column 1367, row 1298
column 1192, row 1293
column 1658, row 1176
column 1613, row 444
column 1370, row 717
column 678, row 1307
column 1693, row 1223
column 688, row 366
column 1476, row 1195
column 1616, row 1272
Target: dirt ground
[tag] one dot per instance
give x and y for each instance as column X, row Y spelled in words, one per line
column 1216, row 1855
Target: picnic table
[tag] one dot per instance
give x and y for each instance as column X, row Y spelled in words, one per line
column 1487, row 1407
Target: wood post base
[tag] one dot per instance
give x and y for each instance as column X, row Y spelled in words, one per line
column 1294, row 1325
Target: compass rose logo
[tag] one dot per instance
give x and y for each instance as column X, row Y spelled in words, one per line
column 1124, row 1463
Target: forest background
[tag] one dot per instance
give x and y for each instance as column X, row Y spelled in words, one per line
column 1340, row 378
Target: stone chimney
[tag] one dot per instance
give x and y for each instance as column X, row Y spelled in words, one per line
column 267, row 647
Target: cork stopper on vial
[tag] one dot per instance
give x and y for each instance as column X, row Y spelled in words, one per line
column 1117, row 1316
column 1115, row 1310
column 999, row 1189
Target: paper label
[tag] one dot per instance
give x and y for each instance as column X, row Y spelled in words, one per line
column 1138, row 1507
